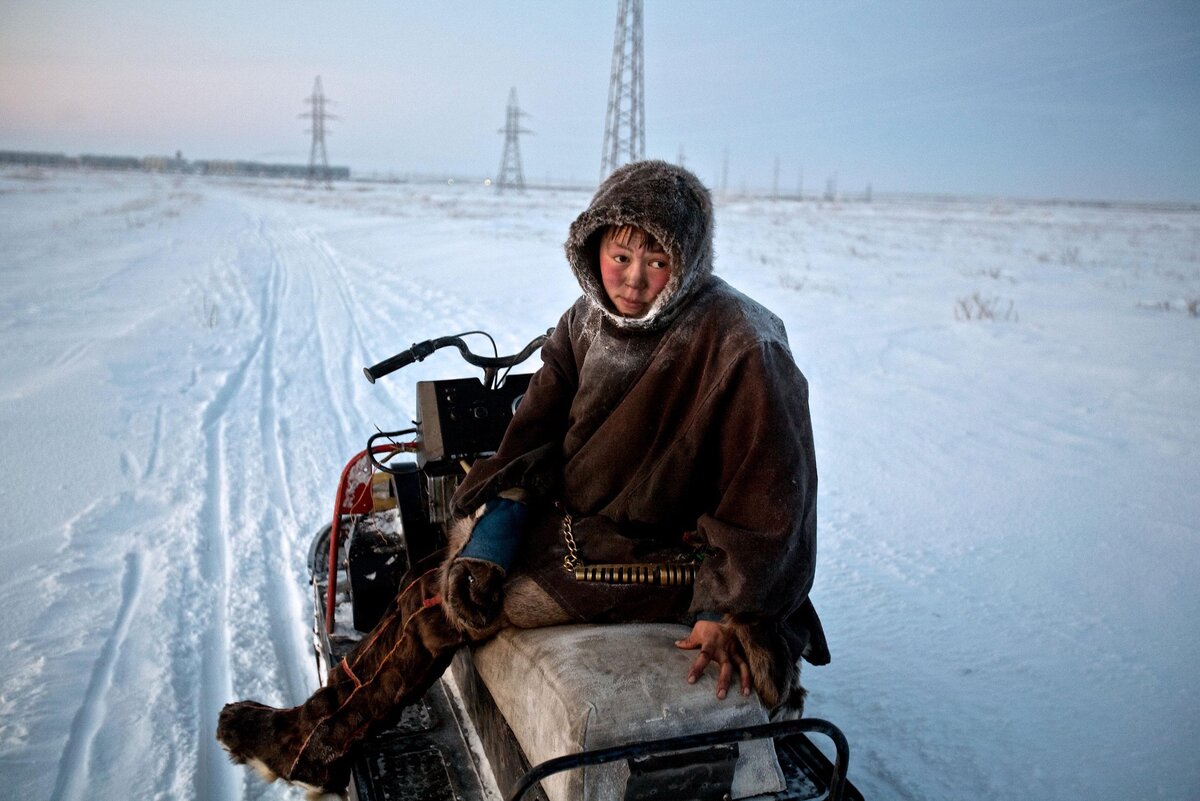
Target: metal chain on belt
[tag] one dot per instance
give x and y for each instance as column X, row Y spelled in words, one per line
column 571, row 560
column 667, row 575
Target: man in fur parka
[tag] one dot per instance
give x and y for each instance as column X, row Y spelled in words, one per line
column 667, row 425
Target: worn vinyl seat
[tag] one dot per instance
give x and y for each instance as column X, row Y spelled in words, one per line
column 566, row 689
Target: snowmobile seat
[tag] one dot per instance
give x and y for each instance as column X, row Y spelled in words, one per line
column 566, row 689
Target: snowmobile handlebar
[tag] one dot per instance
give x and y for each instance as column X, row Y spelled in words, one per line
column 420, row 350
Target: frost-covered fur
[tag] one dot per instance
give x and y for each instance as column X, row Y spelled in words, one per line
column 670, row 204
column 311, row 791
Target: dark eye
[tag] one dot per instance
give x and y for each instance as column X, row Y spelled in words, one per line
column 470, row 578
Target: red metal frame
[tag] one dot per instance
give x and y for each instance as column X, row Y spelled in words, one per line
column 360, row 504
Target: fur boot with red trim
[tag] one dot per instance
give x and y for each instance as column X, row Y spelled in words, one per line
column 313, row 745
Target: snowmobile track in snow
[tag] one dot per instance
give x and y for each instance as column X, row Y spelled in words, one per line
column 72, row 780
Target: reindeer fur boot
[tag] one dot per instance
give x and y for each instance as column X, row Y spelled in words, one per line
column 313, row 745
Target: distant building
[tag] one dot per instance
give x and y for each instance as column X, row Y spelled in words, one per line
column 259, row 170
column 28, row 159
column 110, row 162
column 166, row 164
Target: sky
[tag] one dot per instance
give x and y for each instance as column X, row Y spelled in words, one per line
column 1069, row 100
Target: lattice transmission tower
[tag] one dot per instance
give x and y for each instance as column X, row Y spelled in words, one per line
column 511, row 175
column 318, row 160
column 625, row 120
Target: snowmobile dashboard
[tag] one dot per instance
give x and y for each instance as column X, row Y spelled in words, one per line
column 460, row 418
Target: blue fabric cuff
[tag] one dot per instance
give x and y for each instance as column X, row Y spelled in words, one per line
column 711, row 617
column 498, row 533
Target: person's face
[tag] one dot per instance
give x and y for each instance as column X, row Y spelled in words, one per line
column 633, row 270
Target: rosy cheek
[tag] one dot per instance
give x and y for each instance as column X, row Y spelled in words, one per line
column 611, row 278
column 660, row 281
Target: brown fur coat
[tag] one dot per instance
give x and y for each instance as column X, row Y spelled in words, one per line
column 690, row 421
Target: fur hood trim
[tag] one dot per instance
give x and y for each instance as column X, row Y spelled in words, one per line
column 670, row 204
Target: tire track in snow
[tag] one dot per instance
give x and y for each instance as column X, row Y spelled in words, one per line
column 354, row 311
column 257, row 513
column 74, row 767
column 155, row 444
column 71, row 356
column 418, row 307
column 282, row 596
column 215, row 776
column 268, row 417
column 325, row 371
column 326, row 367
column 341, row 282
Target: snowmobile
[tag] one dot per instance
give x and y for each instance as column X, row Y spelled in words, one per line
column 474, row 733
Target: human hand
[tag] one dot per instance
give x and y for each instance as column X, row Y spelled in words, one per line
column 717, row 644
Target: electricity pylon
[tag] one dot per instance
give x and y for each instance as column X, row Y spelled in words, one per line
column 625, row 120
column 318, row 115
column 511, row 175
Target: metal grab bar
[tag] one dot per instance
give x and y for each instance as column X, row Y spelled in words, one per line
column 784, row 728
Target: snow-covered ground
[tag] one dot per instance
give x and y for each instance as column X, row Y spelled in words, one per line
column 1009, row 566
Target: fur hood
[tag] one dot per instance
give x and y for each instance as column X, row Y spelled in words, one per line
column 670, row 204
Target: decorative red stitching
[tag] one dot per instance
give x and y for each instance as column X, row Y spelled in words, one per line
column 379, row 669
column 350, row 673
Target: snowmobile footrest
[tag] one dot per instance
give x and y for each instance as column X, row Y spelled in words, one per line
column 421, row 758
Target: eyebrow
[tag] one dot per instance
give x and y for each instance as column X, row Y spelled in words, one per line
column 657, row 248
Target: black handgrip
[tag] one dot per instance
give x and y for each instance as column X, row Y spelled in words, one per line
column 416, row 353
